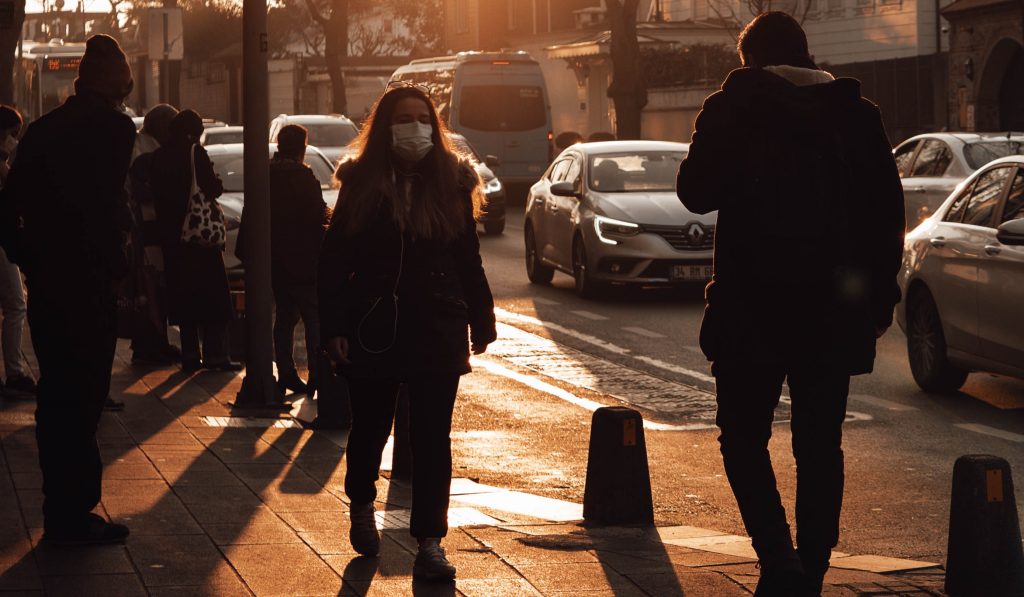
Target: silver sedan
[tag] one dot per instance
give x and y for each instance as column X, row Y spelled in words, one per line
column 607, row 213
column 963, row 281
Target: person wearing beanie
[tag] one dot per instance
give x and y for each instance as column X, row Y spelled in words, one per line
column 64, row 220
column 807, row 250
column 298, row 217
column 148, row 329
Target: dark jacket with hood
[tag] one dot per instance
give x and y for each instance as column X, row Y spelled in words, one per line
column 440, row 288
column 810, row 220
column 298, row 219
column 65, row 215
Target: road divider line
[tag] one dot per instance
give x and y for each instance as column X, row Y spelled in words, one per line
column 587, row 404
column 991, row 431
column 590, row 315
column 643, row 332
column 882, row 403
column 543, row 301
column 603, row 344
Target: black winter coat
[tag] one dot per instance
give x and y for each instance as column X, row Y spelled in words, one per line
column 67, row 188
column 298, row 219
column 810, row 222
column 440, row 286
column 197, row 285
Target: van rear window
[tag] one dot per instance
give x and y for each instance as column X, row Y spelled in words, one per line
column 502, row 108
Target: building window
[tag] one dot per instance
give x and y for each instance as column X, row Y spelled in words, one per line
column 864, row 7
column 835, row 8
column 513, row 15
column 462, row 16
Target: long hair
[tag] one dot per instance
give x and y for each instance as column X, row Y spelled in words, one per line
column 442, row 178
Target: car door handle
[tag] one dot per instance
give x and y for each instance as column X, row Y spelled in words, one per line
column 993, row 249
column 938, row 241
column 918, row 190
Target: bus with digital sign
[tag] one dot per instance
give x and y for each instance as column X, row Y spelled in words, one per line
column 45, row 76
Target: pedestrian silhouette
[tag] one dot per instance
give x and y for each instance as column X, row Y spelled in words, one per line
column 298, row 217
column 199, row 300
column 19, row 382
column 65, row 219
column 400, row 280
column 147, row 326
column 808, row 245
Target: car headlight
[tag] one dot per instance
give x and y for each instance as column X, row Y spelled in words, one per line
column 492, row 186
column 606, row 227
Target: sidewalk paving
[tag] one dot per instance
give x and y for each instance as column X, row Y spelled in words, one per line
column 223, row 505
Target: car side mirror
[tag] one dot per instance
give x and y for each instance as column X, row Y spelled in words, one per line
column 492, row 161
column 1011, row 233
column 564, row 189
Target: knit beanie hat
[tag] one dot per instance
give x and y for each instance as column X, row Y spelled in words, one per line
column 104, row 69
column 157, row 122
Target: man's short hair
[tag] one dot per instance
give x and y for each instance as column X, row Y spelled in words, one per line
column 9, row 118
column 772, row 39
column 291, row 141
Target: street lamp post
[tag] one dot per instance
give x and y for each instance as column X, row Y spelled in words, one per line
column 259, row 388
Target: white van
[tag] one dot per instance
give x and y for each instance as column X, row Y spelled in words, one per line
column 497, row 100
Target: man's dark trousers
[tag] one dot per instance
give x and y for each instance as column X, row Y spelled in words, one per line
column 747, row 396
column 74, row 336
column 292, row 302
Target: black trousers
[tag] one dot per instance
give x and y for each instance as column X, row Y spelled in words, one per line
column 74, row 336
column 747, row 397
column 431, row 402
column 292, row 303
column 215, row 342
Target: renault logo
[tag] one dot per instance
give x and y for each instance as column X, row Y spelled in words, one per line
column 696, row 233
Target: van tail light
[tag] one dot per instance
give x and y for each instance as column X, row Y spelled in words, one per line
column 551, row 147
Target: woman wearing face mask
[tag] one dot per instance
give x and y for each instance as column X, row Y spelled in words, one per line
column 400, row 280
column 198, row 298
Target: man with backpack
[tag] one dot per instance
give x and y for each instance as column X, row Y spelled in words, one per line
column 808, row 245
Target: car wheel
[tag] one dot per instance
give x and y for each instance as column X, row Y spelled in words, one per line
column 926, row 347
column 586, row 286
column 536, row 271
column 494, row 228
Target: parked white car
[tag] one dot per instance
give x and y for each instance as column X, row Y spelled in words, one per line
column 330, row 133
column 227, row 163
column 933, row 164
column 607, row 213
column 222, row 135
column 963, row 281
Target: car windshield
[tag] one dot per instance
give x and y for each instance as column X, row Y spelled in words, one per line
column 228, row 167
column 214, row 137
column 983, row 152
column 639, row 171
column 335, row 134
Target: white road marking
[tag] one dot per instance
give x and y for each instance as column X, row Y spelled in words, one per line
column 882, row 403
column 543, row 301
column 643, row 332
column 542, row 386
column 992, row 431
column 590, row 316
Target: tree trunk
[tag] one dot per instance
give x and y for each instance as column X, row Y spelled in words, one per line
column 9, row 36
column 336, row 51
column 627, row 89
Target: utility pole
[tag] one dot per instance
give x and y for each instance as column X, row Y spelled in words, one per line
column 259, row 388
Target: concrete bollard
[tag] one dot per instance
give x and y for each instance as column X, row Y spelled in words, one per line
column 618, row 487
column 984, row 556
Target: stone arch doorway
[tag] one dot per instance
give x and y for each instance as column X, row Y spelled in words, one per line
column 1001, row 88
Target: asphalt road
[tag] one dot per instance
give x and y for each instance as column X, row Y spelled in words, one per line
column 639, row 347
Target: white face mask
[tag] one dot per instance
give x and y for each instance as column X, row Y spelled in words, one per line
column 412, row 140
column 10, row 144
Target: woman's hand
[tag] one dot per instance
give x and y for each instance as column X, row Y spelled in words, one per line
column 337, row 349
column 478, row 348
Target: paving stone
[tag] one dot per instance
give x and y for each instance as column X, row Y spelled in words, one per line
column 219, row 588
column 213, row 512
column 490, row 587
column 251, row 452
column 128, row 585
column 402, row 588
column 135, row 488
column 28, row 480
column 392, row 561
column 632, row 563
column 207, row 478
column 74, row 561
column 18, row 566
column 480, row 565
column 334, row 521
column 283, row 570
column 688, row 582
column 119, row 471
column 266, row 530
column 582, row 576
column 165, row 515
column 170, row 461
column 180, row 560
column 329, row 542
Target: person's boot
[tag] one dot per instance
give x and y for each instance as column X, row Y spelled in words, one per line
column 363, row 534
column 92, row 529
column 815, row 563
column 292, row 383
column 431, row 563
column 782, row 575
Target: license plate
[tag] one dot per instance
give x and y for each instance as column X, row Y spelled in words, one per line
column 691, row 272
